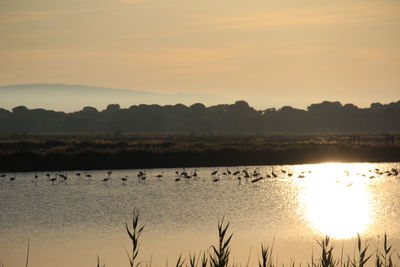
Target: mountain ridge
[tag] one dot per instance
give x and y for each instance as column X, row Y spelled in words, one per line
column 69, row 97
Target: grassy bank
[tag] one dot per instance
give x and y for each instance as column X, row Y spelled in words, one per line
column 72, row 152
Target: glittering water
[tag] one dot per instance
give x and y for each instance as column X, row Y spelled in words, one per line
column 70, row 222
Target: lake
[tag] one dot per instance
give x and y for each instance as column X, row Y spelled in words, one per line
column 70, row 223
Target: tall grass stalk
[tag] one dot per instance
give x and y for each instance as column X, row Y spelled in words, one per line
column 192, row 260
column 27, row 254
column 326, row 259
column 220, row 254
column 134, row 235
column 98, row 262
column 204, row 260
column 362, row 254
column 180, row 262
column 266, row 257
column 384, row 259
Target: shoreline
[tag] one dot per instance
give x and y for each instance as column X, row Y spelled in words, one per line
column 28, row 161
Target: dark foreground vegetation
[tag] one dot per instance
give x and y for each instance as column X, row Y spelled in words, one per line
column 236, row 118
column 219, row 255
column 55, row 152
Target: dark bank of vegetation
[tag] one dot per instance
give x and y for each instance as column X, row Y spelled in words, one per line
column 153, row 136
column 46, row 152
column 236, row 118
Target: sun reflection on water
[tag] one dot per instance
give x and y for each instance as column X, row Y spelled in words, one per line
column 335, row 198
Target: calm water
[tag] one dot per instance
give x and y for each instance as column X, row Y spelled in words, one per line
column 70, row 223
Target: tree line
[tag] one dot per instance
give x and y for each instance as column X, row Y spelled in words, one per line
column 325, row 117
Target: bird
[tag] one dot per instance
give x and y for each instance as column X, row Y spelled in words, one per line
column 257, row 179
column 184, row 173
column 53, row 179
column 124, row 179
column 108, row 176
column 160, row 175
column 214, row 172
column 65, row 177
column 141, row 175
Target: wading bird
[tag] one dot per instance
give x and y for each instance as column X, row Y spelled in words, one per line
column 52, row 180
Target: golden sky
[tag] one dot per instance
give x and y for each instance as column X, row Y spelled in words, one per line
column 271, row 53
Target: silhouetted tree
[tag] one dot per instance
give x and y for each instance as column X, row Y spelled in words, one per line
column 238, row 117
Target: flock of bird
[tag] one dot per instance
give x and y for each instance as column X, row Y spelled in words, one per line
column 252, row 175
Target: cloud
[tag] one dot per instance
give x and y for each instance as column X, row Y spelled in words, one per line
column 132, row 1
column 336, row 15
column 15, row 17
column 26, row 16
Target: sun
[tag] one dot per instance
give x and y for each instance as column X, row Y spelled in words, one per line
column 335, row 200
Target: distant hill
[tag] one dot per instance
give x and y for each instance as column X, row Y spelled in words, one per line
column 63, row 97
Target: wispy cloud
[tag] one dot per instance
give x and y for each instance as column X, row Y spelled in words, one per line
column 309, row 16
column 132, row 1
column 45, row 15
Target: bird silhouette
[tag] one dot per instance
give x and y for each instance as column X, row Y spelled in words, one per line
column 257, row 179
column 52, row 180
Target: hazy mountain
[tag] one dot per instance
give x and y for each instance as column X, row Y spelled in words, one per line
column 65, row 97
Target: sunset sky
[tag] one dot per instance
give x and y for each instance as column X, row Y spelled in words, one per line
column 270, row 53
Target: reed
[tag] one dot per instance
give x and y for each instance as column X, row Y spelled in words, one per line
column 266, row 257
column 180, row 262
column 327, row 259
column 220, row 255
column 384, row 259
column 134, row 235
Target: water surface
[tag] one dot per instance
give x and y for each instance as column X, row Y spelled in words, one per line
column 70, row 222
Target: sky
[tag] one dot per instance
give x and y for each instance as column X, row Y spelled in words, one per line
column 269, row 53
